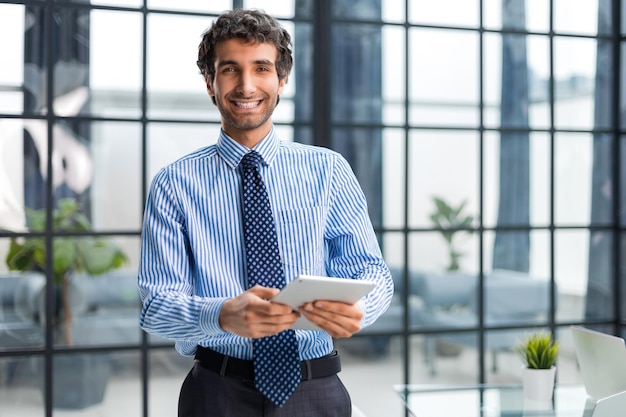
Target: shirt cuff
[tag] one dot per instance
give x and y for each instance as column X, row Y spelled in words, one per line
column 361, row 303
column 209, row 316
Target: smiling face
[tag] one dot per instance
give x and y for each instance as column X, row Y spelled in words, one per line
column 245, row 88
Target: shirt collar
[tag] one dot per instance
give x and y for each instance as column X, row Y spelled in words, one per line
column 232, row 152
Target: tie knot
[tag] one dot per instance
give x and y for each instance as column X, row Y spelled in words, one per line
column 251, row 160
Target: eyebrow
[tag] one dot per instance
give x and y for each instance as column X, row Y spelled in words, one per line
column 257, row 62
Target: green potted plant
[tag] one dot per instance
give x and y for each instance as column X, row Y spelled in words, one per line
column 70, row 254
column 449, row 220
column 539, row 353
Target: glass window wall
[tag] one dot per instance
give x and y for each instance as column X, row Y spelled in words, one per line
column 490, row 148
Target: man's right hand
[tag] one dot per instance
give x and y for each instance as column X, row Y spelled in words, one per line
column 250, row 314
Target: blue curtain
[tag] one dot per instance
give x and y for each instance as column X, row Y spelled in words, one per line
column 511, row 249
column 600, row 298
column 69, row 48
column 354, row 90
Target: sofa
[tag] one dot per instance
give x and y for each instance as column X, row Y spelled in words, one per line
column 449, row 300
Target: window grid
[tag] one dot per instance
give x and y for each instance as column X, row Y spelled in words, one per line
column 322, row 126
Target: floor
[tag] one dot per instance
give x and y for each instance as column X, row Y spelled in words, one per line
column 369, row 379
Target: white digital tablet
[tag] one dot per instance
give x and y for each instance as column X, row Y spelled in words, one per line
column 307, row 288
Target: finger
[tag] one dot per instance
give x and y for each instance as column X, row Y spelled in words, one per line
column 264, row 292
column 337, row 307
column 334, row 329
column 269, row 308
column 269, row 329
column 335, row 324
column 330, row 309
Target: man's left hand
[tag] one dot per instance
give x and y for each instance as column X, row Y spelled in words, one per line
column 340, row 320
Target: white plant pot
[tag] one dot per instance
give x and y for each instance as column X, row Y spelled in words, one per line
column 538, row 383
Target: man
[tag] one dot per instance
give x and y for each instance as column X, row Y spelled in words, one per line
column 199, row 271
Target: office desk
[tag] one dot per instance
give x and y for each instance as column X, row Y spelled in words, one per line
column 492, row 401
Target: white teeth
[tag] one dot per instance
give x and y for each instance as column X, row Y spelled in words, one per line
column 247, row 105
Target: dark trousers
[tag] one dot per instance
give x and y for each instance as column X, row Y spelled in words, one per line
column 206, row 393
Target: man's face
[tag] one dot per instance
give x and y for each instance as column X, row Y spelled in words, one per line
column 246, row 88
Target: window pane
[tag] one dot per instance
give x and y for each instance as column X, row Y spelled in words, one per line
column 516, row 283
column 366, row 166
column 213, row 6
column 35, row 79
column 20, row 296
column 106, row 306
column 444, row 164
column 356, row 10
column 622, row 181
column 12, row 74
column 110, row 380
column 572, row 170
column 394, row 177
column 439, row 93
column 116, row 193
column 600, row 292
column 393, row 10
column 168, row 369
column 356, row 78
column 583, row 292
column 286, row 109
column 623, row 16
column 285, row 133
column 580, row 17
column 301, row 78
column 115, row 63
column 278, row 9
column 575, row 72
column 501, row 256
column 82, row 167
column 176, row 90
column 443, row 278
column 302, row 134
column 12, row 172
column 449, row 357
column 622, row 274
column 121, row 3
column 505, row 365
column 430, row 256
column 537, row 15
column 168, row 142
column 71, row 63
column 372, row 396
column 393, row 75
column 536, row 184
column 20, row 391
column 392, row 245
column 622, row 81
column 531, row 83
column 445, row 12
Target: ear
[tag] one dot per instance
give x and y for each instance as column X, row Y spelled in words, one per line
column 281, row 85
column 209, row 85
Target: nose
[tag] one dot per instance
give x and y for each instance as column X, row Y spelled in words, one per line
column 246, row 85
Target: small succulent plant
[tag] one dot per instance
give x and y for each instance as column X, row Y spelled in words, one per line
column 538, row 350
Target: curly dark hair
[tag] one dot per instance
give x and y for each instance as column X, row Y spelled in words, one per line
column 251, row 25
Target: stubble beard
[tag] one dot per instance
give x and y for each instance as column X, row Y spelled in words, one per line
column 246, row 122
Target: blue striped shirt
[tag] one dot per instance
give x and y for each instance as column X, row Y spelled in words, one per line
column 192, row 249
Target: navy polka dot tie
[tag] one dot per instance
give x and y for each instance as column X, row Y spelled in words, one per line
column 276, row 364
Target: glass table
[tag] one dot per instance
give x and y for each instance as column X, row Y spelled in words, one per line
column 492, row 401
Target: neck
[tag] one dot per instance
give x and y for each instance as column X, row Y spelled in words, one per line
column 249, row 138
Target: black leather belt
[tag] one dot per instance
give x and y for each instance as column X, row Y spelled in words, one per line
column 243, row 369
